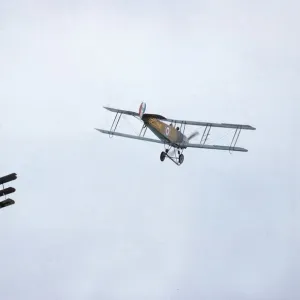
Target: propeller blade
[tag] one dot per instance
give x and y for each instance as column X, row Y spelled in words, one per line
column 194, row 134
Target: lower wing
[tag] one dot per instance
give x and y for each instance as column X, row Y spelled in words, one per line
column 211, row 147
column 130, row 136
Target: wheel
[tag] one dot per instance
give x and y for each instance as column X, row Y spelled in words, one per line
column 163, row 156
column 181, row 158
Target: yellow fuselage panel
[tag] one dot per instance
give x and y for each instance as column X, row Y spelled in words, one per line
column 165, row 130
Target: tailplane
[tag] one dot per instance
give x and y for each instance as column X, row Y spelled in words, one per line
column 142, row 109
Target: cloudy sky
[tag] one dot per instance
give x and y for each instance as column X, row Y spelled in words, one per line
column 99, row 218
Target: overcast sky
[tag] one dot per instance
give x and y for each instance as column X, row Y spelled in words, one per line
column 99, row 218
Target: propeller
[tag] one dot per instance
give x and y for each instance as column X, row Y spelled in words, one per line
column 194, row 134
column 190, row 137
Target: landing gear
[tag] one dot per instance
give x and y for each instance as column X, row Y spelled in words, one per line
column 163, row 156
column 176, row 156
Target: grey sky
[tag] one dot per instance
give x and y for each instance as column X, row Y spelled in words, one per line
column 104, row 219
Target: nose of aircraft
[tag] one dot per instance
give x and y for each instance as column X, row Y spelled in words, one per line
column 185, row 140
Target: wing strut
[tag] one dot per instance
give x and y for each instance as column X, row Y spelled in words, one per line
column 235, row 138
column 183, row 124
column 116, row 123
column 143, row 130
column 205, row 134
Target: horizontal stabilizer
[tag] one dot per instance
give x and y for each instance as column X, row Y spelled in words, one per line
column 8, row 178
column 130, row 136
column 7, row 191
column 6, row 202
column 217, row 147
column 121, row 111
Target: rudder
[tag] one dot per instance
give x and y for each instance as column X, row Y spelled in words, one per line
column 142, row 109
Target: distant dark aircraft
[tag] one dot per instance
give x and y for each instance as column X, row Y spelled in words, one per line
column 7, row 191
column 172, row 135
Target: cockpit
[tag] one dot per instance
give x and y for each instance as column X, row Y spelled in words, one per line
column 177, row 128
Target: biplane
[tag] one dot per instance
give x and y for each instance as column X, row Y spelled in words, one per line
column 171, row 133
column 6, row 191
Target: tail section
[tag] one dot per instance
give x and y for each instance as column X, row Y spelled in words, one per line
column 142, row 109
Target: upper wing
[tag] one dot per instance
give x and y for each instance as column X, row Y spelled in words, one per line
column 217, row 147
column 125, row 112
column 130, row 136
column 209, row 124
column 223, row 125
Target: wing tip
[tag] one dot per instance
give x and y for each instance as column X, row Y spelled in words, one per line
column 237, row 126
column 101, row 130
column 249, row 127
column 240, row 149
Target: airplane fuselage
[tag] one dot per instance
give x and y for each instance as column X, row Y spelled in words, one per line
column 165, row 132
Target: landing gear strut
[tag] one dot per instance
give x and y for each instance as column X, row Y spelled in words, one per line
column 178, row 160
